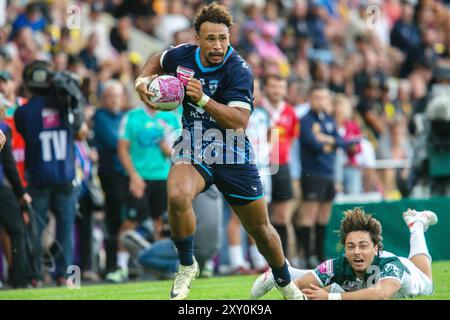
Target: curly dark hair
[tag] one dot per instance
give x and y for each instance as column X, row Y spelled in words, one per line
column 214, row 13
column 357, row 219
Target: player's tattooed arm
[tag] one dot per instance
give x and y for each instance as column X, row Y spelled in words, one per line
column 227, row 117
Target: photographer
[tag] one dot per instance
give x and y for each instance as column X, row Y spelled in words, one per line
column 49, row 123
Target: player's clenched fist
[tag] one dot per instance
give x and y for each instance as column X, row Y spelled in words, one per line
column 194, row 89
column 2, row 140
column 141, row 85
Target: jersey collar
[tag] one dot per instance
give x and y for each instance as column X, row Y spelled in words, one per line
column 211, row 69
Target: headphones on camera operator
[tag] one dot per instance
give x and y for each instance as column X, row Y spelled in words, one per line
column 60, row 88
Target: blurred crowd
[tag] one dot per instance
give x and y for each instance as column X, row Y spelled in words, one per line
column 356, row 76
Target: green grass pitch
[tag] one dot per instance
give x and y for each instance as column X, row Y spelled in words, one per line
column 217, row 288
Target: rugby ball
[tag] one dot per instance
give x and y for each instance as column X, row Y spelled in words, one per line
column 168, row 92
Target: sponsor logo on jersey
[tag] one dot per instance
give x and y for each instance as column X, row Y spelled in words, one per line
column 184, row 74
column 326, row 267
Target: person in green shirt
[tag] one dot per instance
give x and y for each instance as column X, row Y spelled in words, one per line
column 144, row 151
column 365, row 271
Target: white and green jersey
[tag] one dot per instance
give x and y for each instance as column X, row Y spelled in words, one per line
column 385, row 265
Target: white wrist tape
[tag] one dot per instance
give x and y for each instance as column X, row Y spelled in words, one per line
column 204, row 100
column 141, row 80
column 334, row 296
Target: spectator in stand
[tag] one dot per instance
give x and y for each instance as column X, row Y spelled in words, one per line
column 93, row 23
column 316, row 22
column 141, row 12
column 266, row 46
column 88, row 54
column 370, row 109
column 284, row 120
column 171, row 21
column 406, row 34
column 120, row 34
column 60, row 61
column 297, row 18
column 111, row 173
column 319, row 140
column 32, row 17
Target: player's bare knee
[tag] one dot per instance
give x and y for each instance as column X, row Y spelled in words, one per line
column 179, row 199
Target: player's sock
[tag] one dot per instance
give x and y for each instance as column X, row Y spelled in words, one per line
column 303, row 234
column 122, row 259
column 417, row 243
column 257, row 258
column 281, row 275
column 236, row 256
column 320, row 241
column 282, row 231
column 185, row 248
column 297, row 273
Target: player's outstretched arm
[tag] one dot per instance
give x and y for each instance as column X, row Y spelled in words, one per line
column 151, row 70
column 227, row 117
column 384, row 290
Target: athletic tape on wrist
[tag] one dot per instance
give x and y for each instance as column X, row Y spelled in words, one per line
column 204, row 100
column 334, row 296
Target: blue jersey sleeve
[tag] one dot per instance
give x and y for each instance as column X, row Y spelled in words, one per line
column 172, row 56
column 239, row 89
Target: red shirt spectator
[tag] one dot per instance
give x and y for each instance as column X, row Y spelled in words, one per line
column 285, row 120
column 18, row 144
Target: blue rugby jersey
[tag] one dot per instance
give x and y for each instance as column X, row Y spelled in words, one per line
column 230, row 83
column 49, row 144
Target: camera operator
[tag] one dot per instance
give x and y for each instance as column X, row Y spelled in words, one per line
column 49, row 123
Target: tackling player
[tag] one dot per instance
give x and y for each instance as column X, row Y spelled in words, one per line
column 365, row 271
column 216, row 111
